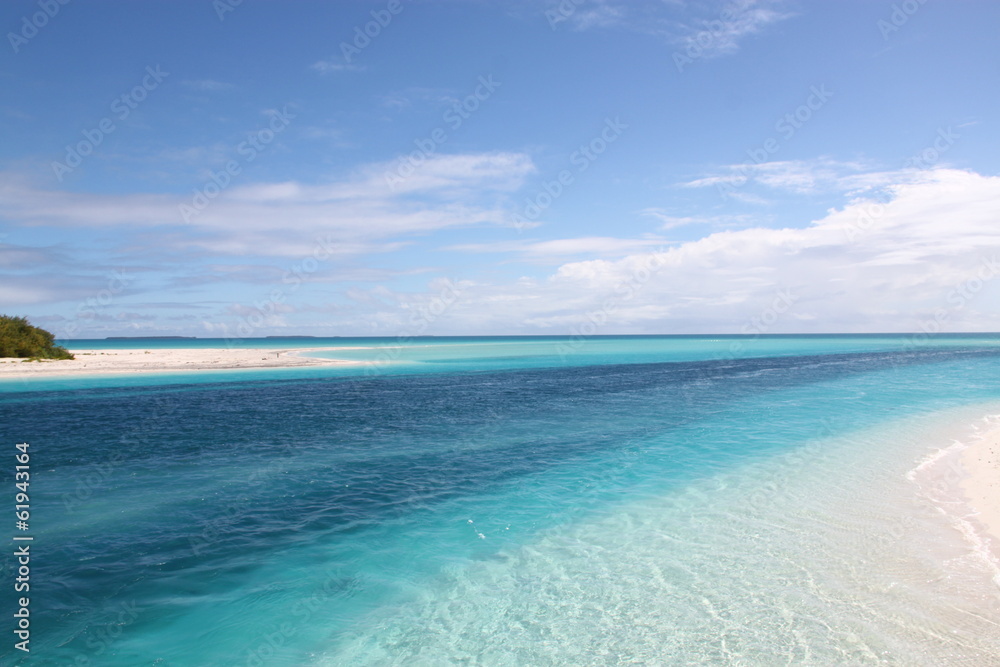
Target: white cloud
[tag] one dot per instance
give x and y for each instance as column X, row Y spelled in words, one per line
column 287, row 218
column 923, row 255
column 926, row 259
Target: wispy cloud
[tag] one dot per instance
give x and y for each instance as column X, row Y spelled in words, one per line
column 670, row 221
column 415, row 95
column 719, row 30
column 550, row 250
column 325, row 67
column 26, row 257
column 285, row 219
column 801, row 176
column 17, row 114
column 208, row 85
column 213, row 155
column 711, row 29
column 598, row 14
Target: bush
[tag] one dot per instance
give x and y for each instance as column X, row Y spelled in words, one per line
column 19, row 339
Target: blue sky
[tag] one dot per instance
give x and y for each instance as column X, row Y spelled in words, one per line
column 476, row 167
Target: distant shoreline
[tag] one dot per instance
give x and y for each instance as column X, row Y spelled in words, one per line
column 169, row 360
column 151, row 338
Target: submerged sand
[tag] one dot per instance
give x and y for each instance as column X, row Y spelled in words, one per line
column 107, row 362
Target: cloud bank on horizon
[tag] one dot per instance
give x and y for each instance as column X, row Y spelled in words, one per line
column 585, row 167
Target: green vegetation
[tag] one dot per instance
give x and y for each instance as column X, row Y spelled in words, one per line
column 19, row 339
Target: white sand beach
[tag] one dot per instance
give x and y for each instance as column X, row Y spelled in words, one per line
column 981, row 460
column 118, row 361
column 962, row 482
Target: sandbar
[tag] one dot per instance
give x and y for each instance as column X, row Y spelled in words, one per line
column 127, row 361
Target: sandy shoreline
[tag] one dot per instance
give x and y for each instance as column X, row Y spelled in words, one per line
column 110, row 362
column 962, row 482
column 981, row 461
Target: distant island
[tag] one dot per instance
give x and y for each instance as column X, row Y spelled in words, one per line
column 19, row 339
column 151, row 338
column 190, row 337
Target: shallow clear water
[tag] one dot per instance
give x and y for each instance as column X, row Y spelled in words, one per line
column 633, row 501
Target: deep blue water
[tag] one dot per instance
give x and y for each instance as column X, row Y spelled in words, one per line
column 267, row 519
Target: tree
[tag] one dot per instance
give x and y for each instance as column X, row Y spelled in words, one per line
column 19, row 339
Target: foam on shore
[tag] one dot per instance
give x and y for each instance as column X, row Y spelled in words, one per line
column 981, row 460
column 961, row 482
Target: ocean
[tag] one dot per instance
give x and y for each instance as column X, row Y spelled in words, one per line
column 647, row 500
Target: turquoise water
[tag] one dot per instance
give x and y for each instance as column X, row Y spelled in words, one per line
column 616, row 500
column 419, row 355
